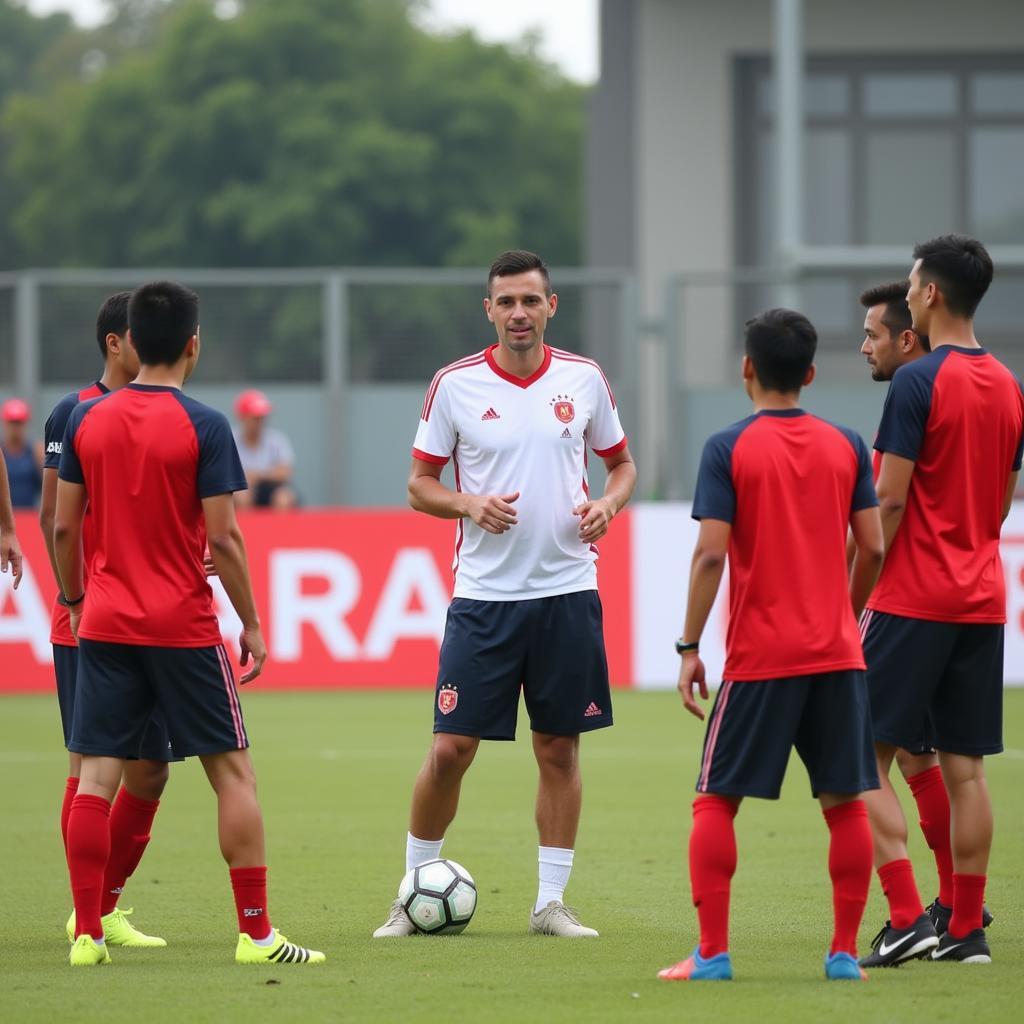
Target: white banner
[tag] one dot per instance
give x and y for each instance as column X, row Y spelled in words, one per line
column 663, row 539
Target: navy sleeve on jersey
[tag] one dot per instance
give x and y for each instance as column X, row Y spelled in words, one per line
column 715, row 494
column 70, row 468
column 220, row 469
column 53, row 432
column 864, row 495
column 905, row 415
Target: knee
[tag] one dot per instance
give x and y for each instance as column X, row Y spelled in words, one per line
column 558, row 754
column 451, row 755
column 230, row 773
column 146, row 779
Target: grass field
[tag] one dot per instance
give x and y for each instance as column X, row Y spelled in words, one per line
column 335, row 773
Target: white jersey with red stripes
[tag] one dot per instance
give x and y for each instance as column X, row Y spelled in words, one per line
column 507, row 434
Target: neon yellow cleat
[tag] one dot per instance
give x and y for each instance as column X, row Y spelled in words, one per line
column 87, row 952
column 119, row 931
column 280, row 951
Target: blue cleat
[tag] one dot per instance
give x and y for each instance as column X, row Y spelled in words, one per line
column 843, row 967
column 696, row 968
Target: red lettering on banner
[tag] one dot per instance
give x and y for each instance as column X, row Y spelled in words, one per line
column 347, row 599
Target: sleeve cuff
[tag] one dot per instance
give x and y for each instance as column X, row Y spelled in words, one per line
column 437, row 460
column 614, row 450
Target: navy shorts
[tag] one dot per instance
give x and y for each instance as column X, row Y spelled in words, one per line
column 935, row 682
column 754, row 725
column 120, row 686
column 551, row 647
column 155, row 744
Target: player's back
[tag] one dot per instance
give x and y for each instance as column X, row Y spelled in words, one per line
column 147, row 456
column 958, row 414
column 794, row 480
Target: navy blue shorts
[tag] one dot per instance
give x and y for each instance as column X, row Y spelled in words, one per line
column 754, row 725
column 551, row 647
column 155, row 744
column 120, row 686
column 935, row 682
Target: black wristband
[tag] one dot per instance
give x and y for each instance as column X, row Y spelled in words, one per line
column 71, row 604
column 683, row 648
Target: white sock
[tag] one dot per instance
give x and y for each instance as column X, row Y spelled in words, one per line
column 268, row 941
column 555, row 867
column 419, row 851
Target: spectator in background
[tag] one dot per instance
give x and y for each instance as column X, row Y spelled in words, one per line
column 267, row 455
column 23, row 460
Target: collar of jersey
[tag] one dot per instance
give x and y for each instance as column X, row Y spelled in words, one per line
column 786, row 413
column 520, row 382
column 150, row 387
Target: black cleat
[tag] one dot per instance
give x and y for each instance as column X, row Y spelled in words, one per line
column 970, row 950
column 940, row 915
column 892, row 946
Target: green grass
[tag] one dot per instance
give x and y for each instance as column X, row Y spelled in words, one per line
column 335, row 774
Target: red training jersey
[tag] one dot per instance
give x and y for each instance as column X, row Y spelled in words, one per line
column 788, row 482
column 147, row 456
column 958, row 415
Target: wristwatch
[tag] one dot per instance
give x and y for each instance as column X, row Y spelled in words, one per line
column 682, row 647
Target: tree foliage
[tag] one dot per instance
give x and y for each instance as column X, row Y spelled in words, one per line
column 311, row 132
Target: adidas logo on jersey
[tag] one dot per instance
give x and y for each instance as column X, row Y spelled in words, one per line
column 566, row 433
column 490, row 415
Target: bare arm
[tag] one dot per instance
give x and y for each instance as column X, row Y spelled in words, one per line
column 706, row 568
column 10, row 549
column 48, row 514
column 491, row 512
column 869, row 546
column 1011, row 487
column 67, row 545
column 227, row 548
column 893, row 487
column 596, row 515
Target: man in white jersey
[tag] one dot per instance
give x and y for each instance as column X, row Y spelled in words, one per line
column 516, row 420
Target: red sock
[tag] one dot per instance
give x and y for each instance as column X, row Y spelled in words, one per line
column 130, row 821
column 968, row 899
column 70, row 789
column 849, row 863
column 250, row 888
column 712, row 865
column 933, row 808
column 897, row 878
column 88, row 849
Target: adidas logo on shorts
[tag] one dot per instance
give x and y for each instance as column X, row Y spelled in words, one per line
column 593, row 711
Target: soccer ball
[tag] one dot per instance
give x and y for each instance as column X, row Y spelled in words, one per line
column 439, row 897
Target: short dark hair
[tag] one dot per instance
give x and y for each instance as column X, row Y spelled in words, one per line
column 162, row 316
column 112, row 319
column 781, row 344
column 960, row 267
column 897, row 316
column 518, row 261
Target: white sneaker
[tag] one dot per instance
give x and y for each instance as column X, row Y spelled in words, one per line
column 397, row 924
column 557, row 919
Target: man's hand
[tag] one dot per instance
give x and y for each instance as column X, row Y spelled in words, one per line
column 492, row 512
column 594, row 519
column 10, row 555
column 75, row 615
column 251, row 643
column 691, row 671
column 208, row 567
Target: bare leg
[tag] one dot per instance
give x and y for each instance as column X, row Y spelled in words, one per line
column 913, row 764
column 435, row 797
column 560, row 789
column 74, row 765
column 146, row 779
column 239, row 818
column 971, row 812
column 888, row 825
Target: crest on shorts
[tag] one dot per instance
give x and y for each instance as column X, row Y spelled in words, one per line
column 447, row 698
column 565, row 411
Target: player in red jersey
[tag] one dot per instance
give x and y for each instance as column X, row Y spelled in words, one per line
column 158, row 471
column 145, row 775
column 10, row 549
column 775, row 495
column 950, row 437
column 890, row 342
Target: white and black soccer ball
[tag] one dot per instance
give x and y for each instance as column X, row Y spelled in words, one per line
column 439, row 897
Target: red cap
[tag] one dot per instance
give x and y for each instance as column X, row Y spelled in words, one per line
column 252, row 403
column 16, row 410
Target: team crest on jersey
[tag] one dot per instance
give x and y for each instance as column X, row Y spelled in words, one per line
column 565, row 411
column 447, row 699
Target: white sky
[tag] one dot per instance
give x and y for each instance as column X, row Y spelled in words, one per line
column 568, row 27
